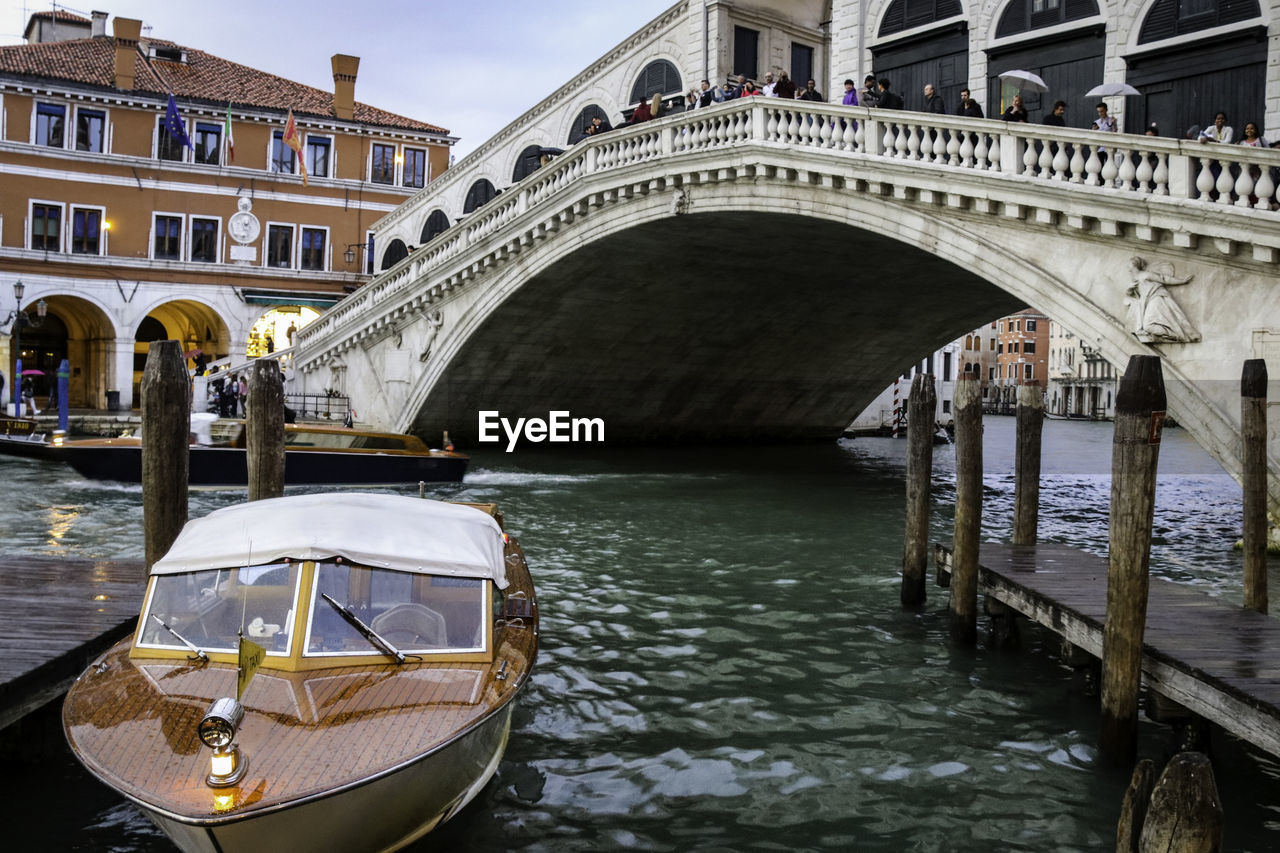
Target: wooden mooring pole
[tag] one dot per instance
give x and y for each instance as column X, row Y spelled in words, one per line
column 1140, row 412
column 166, row 437
column 1026, row 490
column 1253, row 467
column 921, row 409
column 964, row 573
column 264, row 431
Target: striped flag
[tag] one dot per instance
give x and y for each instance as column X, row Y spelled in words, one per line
column 294, row 140
column 231, row 140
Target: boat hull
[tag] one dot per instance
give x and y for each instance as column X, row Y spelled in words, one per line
column 402, row 805
column 228, row 466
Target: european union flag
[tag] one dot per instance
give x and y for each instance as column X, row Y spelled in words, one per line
column 176, row 126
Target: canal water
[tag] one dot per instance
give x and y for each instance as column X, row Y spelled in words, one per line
column 725, row 665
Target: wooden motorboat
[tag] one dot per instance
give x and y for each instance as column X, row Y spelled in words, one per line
column 18, row 437
column 315, row 454
column 392, row 634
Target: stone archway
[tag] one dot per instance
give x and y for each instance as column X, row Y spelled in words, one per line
column 79, row 331
column 198, row 327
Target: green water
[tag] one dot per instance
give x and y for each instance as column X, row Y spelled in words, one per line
column 725, row 665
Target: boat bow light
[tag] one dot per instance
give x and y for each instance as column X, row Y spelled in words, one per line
column 218, row 732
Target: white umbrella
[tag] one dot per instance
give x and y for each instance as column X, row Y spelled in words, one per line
column 1024, row 80
column 1111, row 89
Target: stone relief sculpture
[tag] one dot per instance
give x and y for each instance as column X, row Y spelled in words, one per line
column 1154, row 315
column 434, row 321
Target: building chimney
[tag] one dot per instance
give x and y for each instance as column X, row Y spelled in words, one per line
column 344, row 85
column 99, row 27
column 127, row 32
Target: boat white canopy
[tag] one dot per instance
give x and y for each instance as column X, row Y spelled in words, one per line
column 383, row 531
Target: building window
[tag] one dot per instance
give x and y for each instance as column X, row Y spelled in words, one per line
column 280, row 246
column 313, row 241
column 437, row 223
column 946, row 407
column 318, row 149
column 1021, row 16
column 1028, row 347
column 396, row 252
column 90, row 130
column 167, row 245
column 658, row 78
column 991, row 374
column 1031, row 325
column 382, row 167
column 946, row 367
column 51, row 125
column 481, row 193
column 86, row 231
column 46, row 227
column 907, row 14
column 746, row 52
column 801, row 63
column 1027, row 371
column 1169, row 18
column 167, row 148
column 999, row 348
column 281, row 154
column 208, row 143
column 415, row 167
column 204, row 240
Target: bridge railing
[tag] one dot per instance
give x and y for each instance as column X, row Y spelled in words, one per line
column 1212, row 175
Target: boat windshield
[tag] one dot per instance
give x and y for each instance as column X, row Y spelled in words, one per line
column 416, row 613
column 343, row 440
column 211, row 608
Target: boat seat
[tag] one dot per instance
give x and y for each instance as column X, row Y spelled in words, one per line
column 411, row 626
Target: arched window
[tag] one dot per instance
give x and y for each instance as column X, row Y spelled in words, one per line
column 658, row 78
column 578, row 129
column 1169, row 18
column 151, row 329
column 906, row 14
column 395, row 253
column 437, row 223
column 530, row 161
column 480, row 194
column 1023, row 15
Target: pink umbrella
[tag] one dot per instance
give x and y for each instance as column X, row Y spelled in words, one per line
column 33, row 372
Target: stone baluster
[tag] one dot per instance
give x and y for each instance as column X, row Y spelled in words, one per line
column 1029, row 158
column 1264, row 189
column 793, row 127
column 1127, row 171
column 1244, row 186
column 771, row 129
column 900, row 142
column 1225, row 183
column 1077, row 164
column 954, row 146
column 995, row 153
column 889, row 137
column 1061, row 162
column 1204, row 181
column 1093, row 167
column 1160, row 174
column 1110, row 170
column 1044, row 162
column 818, row 131
column 924, row 147
column 1144, row 171
column 849, row 140
column 970, row 152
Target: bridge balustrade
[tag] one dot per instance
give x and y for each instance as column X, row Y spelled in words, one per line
column 1212, row 175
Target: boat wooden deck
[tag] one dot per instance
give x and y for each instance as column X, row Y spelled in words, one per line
column 53, row 623
column 1217, row 659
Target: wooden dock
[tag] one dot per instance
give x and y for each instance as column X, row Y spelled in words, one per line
column 56, row 615
column 1220, row 661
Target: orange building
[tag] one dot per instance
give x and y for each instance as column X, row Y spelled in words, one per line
column 1022, row 357
column 122, row 233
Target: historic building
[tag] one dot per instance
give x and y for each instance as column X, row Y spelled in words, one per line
column 1082, row 384
column 155, row 191
column 1022, row 358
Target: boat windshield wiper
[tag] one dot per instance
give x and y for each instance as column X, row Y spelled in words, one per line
column 190, row 645
column 365, row 631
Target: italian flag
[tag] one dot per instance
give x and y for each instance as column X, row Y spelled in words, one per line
column 231, row 140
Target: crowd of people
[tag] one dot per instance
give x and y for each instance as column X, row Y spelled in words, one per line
column 878, row 92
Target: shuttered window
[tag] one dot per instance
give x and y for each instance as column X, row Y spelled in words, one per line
column 907, row 14
column 437, row 223
column 530, row 161
column 480, row 194
column 658, row 78
column 1023, row 15
column 1169, row 18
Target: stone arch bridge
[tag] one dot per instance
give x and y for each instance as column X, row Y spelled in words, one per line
column 761, row 269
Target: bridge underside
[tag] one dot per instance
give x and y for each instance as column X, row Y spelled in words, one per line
column 730, row 326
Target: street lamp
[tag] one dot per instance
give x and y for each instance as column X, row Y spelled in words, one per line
column 20, row 318
column 350, row 254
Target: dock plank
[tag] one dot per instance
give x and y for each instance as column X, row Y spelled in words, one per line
column 56, row 615
column 1217, row 659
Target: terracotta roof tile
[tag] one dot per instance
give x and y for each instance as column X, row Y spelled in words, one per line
column 204, row 77
column 60, row 15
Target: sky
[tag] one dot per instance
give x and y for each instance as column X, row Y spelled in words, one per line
column 471, row 66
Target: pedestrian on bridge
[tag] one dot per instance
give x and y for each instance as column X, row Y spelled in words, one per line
column 786, row 87
column 850, row 94
column 810, row 92
column 933, row 102
column 1015, row 111
column 870, row 94
column 889, row 100
column 1057, row 118
column 969, row 108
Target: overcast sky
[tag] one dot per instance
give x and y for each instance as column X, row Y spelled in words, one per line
column 471, row 67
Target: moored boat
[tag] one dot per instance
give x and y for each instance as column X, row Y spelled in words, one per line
column 315, row 454
column 389, row 636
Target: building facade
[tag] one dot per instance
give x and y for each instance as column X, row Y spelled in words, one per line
column 131, row 221
column 1082, row 384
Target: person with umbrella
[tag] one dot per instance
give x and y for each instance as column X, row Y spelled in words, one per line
column 28, row 395
column 1105, row 122
column 1015, row 111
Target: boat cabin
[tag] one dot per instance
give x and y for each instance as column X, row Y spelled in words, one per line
column 371, row 585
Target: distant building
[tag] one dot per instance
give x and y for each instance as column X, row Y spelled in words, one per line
column 1022, row 358
column 1082, row 384
column 127, row 235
